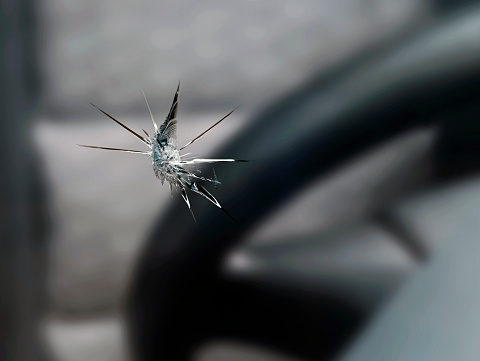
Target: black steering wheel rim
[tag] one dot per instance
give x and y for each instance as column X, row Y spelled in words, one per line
column 421, row 80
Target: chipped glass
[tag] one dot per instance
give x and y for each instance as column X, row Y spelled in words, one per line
column 168, row 164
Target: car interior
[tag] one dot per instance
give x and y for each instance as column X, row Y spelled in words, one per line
column 386, row 145
column 355, row 222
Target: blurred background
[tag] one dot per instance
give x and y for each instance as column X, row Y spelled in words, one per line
column 74, row 220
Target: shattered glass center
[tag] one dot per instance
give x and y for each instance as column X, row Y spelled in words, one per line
column 163, row 156
column 168, row 164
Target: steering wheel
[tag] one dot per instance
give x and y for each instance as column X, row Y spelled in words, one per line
column 180, row 299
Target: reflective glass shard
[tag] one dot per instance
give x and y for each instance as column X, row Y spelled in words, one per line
column 167, row 161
